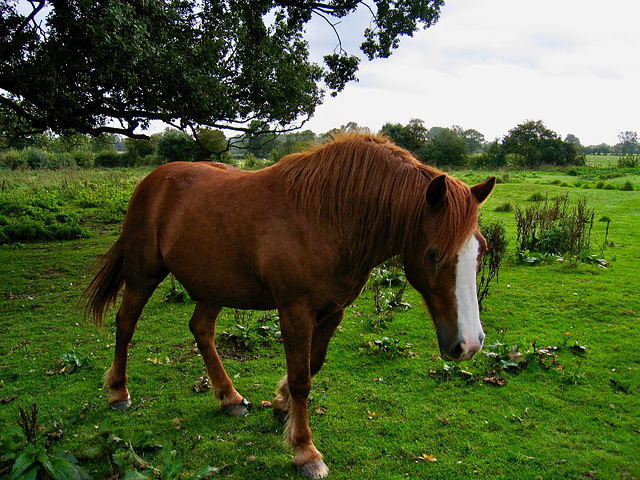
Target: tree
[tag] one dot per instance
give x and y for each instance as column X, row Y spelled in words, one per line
column 213, row 145
column 538, row 145
column 628, row 143
column 175, row 146
column 475, row 140
column 112, row 67
column 413, row 136
column 573, row 140
column 446, row 147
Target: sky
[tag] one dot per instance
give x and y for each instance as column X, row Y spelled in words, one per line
column 493, row 64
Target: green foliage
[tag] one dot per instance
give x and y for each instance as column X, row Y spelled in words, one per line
column 537, row 197
column 37, row 217
column 251, row 329
column 391, row 347
column 25, row 451
column 446, row 148
column 111, row 159
column 627, row 187
column 554, row 228
column 630, row 161
column 387, row 285
column 176, row 293
column 137, row 62
column 505, row 207
column 534, row 145
column 495, row 234
column 72, row 361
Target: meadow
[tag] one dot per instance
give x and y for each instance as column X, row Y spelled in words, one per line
column 554, row 395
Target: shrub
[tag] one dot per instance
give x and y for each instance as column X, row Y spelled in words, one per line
column 36, row 157
column 84, row 159
column 537, row 197
column 627, row 187
column 631, row 161
column 515, row 160
column 505, row 207
column 108, row 159
column 14, row 160
column 600, row 185
column 554, row 228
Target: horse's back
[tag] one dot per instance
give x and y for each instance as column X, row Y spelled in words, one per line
column 202, row 222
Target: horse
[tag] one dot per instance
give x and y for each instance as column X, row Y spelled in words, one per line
column 301, row 236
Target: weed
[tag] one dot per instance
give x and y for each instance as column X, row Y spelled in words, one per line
column 392, row 347
column 497, row 243
column 631, row 161
column 387, row 285
column 249, row 332
column 176, row 293
column 554, row 228
column 72, row 362
column 26, row 452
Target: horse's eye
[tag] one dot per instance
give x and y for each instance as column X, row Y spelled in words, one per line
column 433, row 255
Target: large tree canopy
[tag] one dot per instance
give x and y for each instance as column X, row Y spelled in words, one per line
column 114, row 66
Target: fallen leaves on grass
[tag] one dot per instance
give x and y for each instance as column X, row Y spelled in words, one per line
column 427, row 457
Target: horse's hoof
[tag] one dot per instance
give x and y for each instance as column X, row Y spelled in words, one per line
column 280, row 415
column 315, row 469
column 239, row 410
column 122, row 405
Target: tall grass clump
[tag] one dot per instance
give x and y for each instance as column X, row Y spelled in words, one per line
column 554, row 227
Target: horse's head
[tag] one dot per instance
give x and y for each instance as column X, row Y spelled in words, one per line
column 447, row 280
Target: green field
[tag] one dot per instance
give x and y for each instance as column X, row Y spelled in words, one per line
column 558, row 399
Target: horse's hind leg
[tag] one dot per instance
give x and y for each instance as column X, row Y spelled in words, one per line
column 203, row 327
column 133, row 301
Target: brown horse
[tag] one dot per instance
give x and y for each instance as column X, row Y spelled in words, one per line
column 301, row 236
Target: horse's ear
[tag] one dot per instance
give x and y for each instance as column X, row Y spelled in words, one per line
column 436, row 191
column 483, row 190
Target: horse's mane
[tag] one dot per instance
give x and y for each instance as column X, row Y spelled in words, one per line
column 374, row 192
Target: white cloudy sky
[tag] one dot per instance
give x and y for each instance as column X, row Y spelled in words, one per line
column 492, row 64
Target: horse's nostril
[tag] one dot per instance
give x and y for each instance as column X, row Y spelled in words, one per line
column 456, row 352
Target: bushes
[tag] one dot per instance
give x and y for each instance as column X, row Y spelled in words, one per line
column 38, row 217
column 631, row 161
column 554, row 227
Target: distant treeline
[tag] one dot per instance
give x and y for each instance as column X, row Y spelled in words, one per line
column 528, row 145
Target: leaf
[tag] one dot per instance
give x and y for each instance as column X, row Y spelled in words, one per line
column 509, row 364
column 136, row 475
column 495, row 380
column 206, row 472
column 429, row 458
column 76, row 471
column 23, row 462
column 145, row 439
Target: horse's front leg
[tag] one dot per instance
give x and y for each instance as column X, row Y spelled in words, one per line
column 322, row 333
column 297, row 327
column 203, row 328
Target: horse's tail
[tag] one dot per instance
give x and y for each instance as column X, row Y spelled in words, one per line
column 103, row 290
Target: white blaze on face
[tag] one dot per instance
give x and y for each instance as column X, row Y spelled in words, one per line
column 469, row 326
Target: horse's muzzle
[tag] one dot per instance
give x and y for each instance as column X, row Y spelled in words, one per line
column 461, row 350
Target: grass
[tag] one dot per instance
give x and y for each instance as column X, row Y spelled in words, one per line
column 374, row 415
